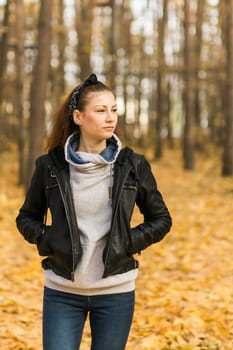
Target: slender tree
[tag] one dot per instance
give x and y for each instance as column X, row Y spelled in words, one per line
column 188, row 142
column 19, row 97
column 60, row 39
column 39, row 85
column 84, row 19
column 198, row 41
column 114, row 32
column 161, row 81
column 227, row 166
column 126, row 44
column 3, row 49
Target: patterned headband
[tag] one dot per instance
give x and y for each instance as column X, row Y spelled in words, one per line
column 73, row 104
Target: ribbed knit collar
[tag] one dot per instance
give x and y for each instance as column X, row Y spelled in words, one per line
column 107, row 156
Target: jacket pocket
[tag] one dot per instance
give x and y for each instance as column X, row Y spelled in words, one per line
column 129, row 194
column 43, row 243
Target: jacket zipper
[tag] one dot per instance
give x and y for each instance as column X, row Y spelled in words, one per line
column 114, row 218
column 68, row 220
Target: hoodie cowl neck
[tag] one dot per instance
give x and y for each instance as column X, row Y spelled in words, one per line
column 107, row 156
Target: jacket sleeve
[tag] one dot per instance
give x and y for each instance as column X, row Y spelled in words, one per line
column 157, row 219
column 31, row 215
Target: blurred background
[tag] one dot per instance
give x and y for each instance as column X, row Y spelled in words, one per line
column 170, row 63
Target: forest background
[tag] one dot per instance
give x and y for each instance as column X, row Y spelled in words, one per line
column 171, row 65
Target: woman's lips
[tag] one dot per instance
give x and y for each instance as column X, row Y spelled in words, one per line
column 110, row 128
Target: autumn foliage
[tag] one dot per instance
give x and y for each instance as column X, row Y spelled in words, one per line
column 184, row 289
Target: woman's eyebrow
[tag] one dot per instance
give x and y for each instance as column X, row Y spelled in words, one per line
column 105, row 105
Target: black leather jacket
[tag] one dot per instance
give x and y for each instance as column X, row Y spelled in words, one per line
column 60, row 241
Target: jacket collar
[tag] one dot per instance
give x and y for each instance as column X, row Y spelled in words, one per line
column 124, row 156
column 58, row 157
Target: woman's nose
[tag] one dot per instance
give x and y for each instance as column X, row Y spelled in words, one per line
column 110, row 115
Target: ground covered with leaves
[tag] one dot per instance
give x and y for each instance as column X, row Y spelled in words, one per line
column 184, row 298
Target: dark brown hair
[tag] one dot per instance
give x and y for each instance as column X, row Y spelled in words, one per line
column 63, row 124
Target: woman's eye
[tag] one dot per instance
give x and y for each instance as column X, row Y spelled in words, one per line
column 114, row 110
column 100, row 110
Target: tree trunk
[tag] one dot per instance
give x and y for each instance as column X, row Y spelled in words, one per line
column 188, row 144
column 161, row 82
column 19, row 103
column 169, row 122
column 84, row 19
column 227, row 166
column 3, row 58
column 58, row 73
column 113, row 45
column 198, row 46
column 39, row 86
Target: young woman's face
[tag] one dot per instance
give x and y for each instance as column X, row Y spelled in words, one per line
column 98, row 120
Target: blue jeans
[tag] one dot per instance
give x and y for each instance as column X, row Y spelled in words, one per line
column 64, row 315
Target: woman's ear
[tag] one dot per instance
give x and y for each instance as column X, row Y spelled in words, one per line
column 77, row 117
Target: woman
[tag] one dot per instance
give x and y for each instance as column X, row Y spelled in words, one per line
column 90, row 185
